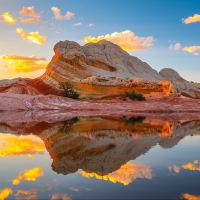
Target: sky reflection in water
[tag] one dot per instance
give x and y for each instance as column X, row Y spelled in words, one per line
column 100, row 157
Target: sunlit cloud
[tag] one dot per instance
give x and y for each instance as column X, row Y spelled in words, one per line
column 29, row 175
column 174, row 168
column 192, row 49
column 57, row 196
column 32, row 37
column 5, row 193
column 74, row 189
column 125, row 175
column 30, row 194
column 27, row 192
column 23, row 63
column 177, row 46
column 57, row 13
column 192, row 19
column 31, row 20
column 8, row 18
column 90, row 24
column 127, row 40
column 49, row 27
column 29, row 11
column 195, row 166
column 191, row 197
column 77, row 24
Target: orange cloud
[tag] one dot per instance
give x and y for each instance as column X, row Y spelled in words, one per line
column 57, row 13
column 31, row 197
column 5, row 193
column 127, row 40
column 28, row 192
column 191, row 197
column 29, row 175
column 31, row 194
column 24, row 63
column 8, row 18
column 125, row 175
column 192, row 49
column 31, row 20
column 32, row 37
column 20, row 146
column 58, row 196
column 77, row 24
column 192, row 19
column 192, row 166
column 195, row 166
column 29, row 11
column 175, row 168
column 177, row 46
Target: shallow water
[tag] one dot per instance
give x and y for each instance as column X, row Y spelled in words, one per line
column 99, row 157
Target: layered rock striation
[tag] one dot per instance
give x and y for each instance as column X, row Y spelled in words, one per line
column 102, row 68
column 99, row 69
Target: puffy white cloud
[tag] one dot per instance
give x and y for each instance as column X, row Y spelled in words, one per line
column 127, row 40
column 90, row 24
column 77, row 24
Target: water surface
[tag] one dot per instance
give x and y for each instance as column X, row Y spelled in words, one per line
column 100, row 157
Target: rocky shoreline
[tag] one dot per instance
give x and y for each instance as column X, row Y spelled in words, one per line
column 153, row 103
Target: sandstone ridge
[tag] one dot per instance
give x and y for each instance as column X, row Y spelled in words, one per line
column 103, row 68
column 100, row 69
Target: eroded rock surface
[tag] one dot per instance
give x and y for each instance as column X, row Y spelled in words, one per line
column 101, row 68
column 180, row 85
column 52, row 102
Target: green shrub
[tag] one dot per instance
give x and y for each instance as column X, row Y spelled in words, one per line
column 68, row 91
column 133, row 95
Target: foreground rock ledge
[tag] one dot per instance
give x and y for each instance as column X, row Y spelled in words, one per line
column 51, row 102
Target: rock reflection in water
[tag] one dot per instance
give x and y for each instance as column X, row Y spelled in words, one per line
column 101, row 144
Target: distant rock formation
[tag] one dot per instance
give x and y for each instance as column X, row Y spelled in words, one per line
column 180, row 85
column 197, row 85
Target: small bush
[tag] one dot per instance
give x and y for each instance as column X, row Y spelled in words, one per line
column 68, row 91
column 133, row 96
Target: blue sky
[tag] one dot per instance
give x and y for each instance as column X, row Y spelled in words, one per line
column 161, row 20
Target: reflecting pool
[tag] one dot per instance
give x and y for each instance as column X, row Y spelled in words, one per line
column 52, row 155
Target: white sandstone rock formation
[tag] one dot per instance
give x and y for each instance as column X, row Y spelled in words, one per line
column 101, row 68
column 180, row 85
